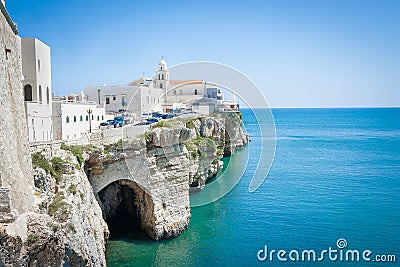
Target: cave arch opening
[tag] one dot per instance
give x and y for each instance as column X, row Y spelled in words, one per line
column 123, row 205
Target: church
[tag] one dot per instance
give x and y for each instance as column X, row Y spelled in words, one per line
column 160, row 93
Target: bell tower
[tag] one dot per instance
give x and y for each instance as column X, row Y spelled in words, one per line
column 162, row 75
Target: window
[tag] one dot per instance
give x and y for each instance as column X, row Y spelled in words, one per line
column 161, row 68
column 28, row 92
column 123, row 101
column 40, row 95
column 161, row 85
column 81, row 118
column 74, row 118
column 87, row 117
column 48, row 95
column 92, row 117
column 195, row 91
column 114, row 98
column 67, row 119
column 162, row 77
column 8, row 53
column 102, row 117
column 98, row 118
column 107, row 100
column 38, row 64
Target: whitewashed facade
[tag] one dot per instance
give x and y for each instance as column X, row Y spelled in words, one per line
column 153, row 94
column 36, row 71
column 71, row 119
column 135, row 99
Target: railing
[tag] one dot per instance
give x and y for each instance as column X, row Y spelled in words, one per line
column 101, row 137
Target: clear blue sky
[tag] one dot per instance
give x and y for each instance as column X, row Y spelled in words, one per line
column 300, row 52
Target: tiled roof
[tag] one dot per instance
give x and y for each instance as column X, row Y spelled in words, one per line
column 178, row 82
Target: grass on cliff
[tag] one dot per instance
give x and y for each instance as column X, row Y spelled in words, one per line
column 198, row 146
column 146, row 136
column 52, row 167
column 58, row 208
column 32, row 238
column 189, row 122
column 235, row 117
column 165, row 123
column 77, row 151
column 117, row 146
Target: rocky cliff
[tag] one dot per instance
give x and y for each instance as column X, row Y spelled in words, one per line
column 160, row 166
column 211, row 138
column 80, row 188
column 66, row 227
column 156, row 171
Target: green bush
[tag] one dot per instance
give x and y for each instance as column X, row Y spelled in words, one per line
column 53, row 226
column 166, row 123
column 194, row 154
column 77, row 151
column 117, row 146
column 71, row 228
column 56, row 164
column 58, row 208
column 39, row 161
column 32, row 238
column 72, row 189
column 54, row 169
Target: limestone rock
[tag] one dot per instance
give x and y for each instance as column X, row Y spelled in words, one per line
column 164, row 137
column 70, row 230
column 158, row 175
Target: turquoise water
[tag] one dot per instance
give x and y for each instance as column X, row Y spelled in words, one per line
column 336, row 174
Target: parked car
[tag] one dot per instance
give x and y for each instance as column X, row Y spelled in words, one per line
column 118, row 121
column 105, row 125
column 145, row 116
column 167, row 116
column 156, row 114
column 153, row 120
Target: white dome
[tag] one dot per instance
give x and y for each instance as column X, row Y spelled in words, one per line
column 163, row 63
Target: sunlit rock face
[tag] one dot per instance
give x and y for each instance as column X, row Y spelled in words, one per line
column 159, row 168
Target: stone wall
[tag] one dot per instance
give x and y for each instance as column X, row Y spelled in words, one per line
column 15, row 162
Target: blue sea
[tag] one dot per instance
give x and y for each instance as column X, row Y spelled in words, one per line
column 335, row 175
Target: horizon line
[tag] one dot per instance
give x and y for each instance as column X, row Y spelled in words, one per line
column 322, row 107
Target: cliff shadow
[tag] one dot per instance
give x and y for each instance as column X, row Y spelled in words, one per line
column 121, row 206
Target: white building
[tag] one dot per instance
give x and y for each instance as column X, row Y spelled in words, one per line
column 36, row 70
column 72, row 120
column 147, row 94
column 136, row 99
column 154, row 94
